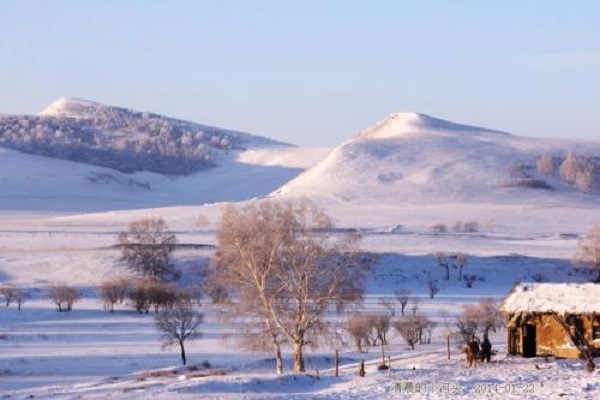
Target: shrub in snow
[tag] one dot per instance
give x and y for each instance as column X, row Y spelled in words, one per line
column 12, row 294
column 63, row 296
column 439, row 228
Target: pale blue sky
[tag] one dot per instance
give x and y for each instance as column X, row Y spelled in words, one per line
column 312, row 72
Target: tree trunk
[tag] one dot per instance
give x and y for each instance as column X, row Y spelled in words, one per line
column 382, row 353
column 337, row 362
column 460, row 273
column 298, row 358
column 278, row 359
column 448, row 273
column 183, row 353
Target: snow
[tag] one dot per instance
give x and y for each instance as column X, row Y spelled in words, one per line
column 562, row 298
column 58, row 226
column 417, row 159
column 29, row 182
column 69, row 107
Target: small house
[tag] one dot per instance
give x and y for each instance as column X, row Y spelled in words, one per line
column 553, row 319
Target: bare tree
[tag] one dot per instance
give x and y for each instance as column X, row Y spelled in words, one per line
column 427, row 327
column 292, row 272
column 471, row 227
column 20, row 298
column 12, row 294
column 409, row 328
column 491, row 316
column 358, row 328
column 469, row 321
column 178, row 324
column 458, row 226
column 461, row 260
column 9, row 293
column 389, row 303
column 113, row 291
column 403, row 295
column 588, row 251
column 439, row 228
column 415, row 305
column 380, row 325
column 146, row 248
column 444, row 260
column 140, row 296
column 434, row 288
column 63, row 296
column 470, row 280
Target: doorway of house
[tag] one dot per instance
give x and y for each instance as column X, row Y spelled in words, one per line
column 529, row 342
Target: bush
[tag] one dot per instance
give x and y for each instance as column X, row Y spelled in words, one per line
column 439, row 228
column 63, row 296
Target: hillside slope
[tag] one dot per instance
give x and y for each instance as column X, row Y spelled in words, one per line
column 122, row 139
column 36, row 183
column 415, row 158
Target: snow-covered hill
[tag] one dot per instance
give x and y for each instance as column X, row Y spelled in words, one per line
column 36, row 183
column 122, row 139
column 415, row 158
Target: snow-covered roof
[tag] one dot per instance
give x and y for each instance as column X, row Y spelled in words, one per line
column 563, row 298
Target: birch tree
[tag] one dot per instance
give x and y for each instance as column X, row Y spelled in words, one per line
column 278, row 258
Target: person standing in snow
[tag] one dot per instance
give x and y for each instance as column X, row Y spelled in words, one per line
column 486, row 350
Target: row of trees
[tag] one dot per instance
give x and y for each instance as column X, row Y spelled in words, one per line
column 582, row 172
column 283, row 274
column 11, row 294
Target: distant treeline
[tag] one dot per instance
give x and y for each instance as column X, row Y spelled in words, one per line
column 120, row 139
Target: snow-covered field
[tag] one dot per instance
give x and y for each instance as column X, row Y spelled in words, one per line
column 91, row 353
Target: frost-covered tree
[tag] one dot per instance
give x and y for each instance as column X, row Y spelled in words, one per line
column 588, row 251
column 569, row 168
column 359, row 328
column 546, row 164
column 292, row 273
column 412, row 328
column 146, row 248
column 586, row 177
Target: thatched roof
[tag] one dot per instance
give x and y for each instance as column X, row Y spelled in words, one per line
column 562, row 298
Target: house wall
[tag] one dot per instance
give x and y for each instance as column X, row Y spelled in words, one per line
column 551, row 339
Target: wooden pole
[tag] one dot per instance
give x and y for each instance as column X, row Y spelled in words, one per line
column 448, row 343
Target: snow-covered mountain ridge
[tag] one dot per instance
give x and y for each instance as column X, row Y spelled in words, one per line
column 416, row 158
column 122, row 139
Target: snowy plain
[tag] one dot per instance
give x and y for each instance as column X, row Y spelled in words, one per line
column 56, row 226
